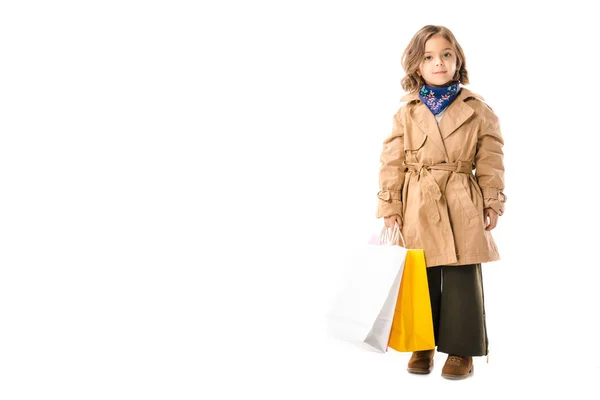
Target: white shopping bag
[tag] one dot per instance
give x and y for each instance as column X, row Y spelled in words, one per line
column 363, row 309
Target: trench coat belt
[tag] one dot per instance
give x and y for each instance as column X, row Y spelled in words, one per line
column 430, row 190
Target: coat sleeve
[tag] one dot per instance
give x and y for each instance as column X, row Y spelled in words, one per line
column 489, row 162
column 392, row 170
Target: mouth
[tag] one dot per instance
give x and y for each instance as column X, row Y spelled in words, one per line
column 440, row 72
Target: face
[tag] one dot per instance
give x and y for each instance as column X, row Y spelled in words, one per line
column 438, row 66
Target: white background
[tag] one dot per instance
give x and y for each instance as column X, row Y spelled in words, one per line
column 181, row 184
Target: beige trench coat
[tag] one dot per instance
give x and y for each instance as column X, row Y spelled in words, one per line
column 427, row 178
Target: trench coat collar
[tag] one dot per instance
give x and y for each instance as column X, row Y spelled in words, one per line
column 457, row 113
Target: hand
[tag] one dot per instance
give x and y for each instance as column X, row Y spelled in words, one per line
column 493, row 218
column 391, row 220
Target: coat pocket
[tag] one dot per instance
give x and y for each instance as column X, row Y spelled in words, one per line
column 463, row 197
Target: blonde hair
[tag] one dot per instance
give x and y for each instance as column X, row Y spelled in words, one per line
column 414, row 52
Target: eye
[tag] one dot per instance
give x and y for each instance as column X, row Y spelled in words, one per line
column 448, row 54
column 427, row 57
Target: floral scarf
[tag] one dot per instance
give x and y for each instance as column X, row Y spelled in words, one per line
column 438, row 98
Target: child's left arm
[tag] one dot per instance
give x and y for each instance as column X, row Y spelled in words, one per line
column 489, row 162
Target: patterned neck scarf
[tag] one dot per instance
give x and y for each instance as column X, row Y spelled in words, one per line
column 438, row 98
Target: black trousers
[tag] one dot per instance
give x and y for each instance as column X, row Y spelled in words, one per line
column 457, row 304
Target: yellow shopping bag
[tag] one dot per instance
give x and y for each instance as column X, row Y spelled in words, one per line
column 412, row 325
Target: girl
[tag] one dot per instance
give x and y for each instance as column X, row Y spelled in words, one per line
column 439, row 136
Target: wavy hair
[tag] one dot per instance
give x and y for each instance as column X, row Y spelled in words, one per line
column 415, row 51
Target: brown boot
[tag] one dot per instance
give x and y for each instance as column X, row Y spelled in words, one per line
column 457, row 367
column 421, row 362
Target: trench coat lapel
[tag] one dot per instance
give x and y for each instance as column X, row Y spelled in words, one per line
column 455, row 115
column 426, row 122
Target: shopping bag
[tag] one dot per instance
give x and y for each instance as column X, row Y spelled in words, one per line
column 412, row 322
column 405, row 322
column 369, row 280
column 379, row 334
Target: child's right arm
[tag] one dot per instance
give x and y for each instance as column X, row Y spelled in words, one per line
column 391, row 172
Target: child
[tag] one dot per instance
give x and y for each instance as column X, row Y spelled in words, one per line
column 427, row 187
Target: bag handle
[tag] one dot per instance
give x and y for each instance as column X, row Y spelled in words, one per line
column 385, row 237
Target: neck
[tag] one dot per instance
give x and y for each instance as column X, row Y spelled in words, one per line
column 441, row 86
